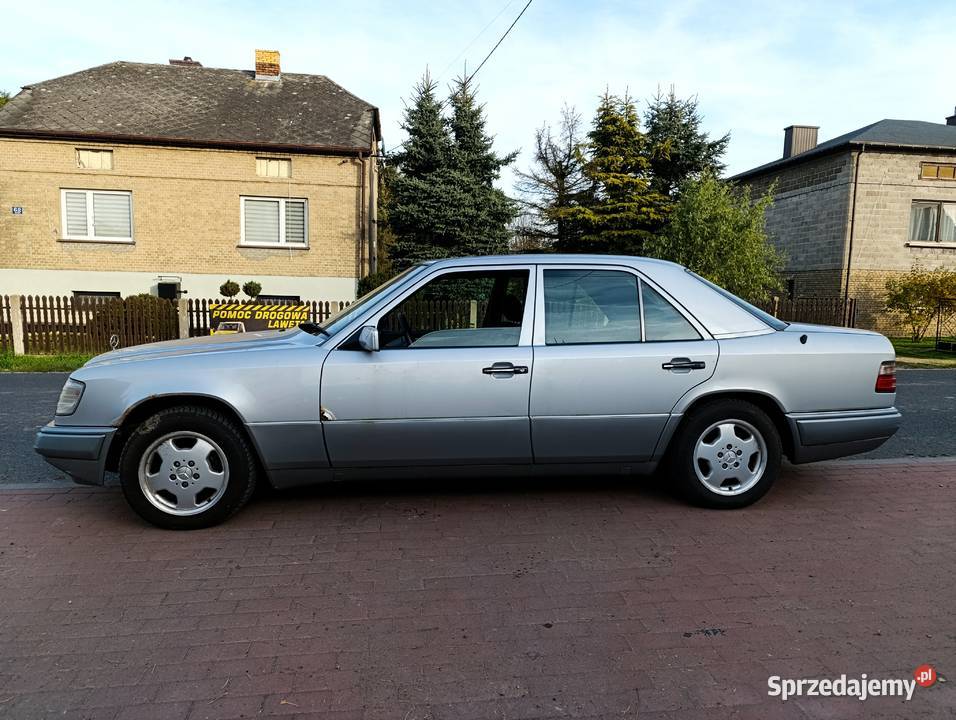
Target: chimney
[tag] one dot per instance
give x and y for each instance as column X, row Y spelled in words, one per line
column 951, row 120
column 267, row 64
column 188, row 61
column 798, row 139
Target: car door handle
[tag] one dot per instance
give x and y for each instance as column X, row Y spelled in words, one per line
column 682, row 363
column 505, row 368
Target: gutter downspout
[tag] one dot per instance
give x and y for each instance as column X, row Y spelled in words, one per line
column 849, row 254
column 373, row 216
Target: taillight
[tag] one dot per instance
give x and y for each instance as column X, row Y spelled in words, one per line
column 886, row 379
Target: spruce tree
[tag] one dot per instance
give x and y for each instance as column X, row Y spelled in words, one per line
column 679, row 150
column 625, row 211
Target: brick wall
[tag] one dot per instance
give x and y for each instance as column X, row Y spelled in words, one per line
column 186, row 211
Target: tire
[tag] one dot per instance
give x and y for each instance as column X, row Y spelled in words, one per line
column 752, row 461
column 186, row 468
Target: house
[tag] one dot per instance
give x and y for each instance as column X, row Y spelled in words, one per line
column 855, row 210
column 167, row 179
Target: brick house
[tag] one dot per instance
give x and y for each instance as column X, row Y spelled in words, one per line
column 130, row 178
column 852, row 211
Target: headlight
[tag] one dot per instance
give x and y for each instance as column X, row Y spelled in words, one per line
column 69, row 397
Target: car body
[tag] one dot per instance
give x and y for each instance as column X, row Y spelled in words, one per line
column 555, row 363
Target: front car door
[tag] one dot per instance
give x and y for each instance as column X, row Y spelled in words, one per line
column 610, row 351
column 451, row 382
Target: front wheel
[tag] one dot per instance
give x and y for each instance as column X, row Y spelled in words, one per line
column 186, row 468
column 727, row 455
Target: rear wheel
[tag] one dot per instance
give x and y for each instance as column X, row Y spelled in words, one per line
column 727, row 455
column 186, row 468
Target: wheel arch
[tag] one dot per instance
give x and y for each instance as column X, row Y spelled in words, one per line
column 146, row 407
column 766, row 402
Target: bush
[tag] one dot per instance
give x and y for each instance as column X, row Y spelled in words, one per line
column 229, row 289
column 251, row 288
column 373, row 280
column 919, row 295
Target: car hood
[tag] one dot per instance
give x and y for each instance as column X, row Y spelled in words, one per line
column 211, row 344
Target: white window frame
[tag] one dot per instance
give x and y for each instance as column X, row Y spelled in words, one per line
column 90, row 229
column 282, row 241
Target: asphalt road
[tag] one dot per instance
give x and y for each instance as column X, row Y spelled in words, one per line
column 927, row 399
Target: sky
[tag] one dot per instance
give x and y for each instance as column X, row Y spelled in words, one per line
column 755, row 67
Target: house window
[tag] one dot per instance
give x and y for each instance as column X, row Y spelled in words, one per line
column 94, row 159
column 937, row 171
column 97, row 215
column 273, row 167
column 96, row 294
column 933, row 222
column 274, row 222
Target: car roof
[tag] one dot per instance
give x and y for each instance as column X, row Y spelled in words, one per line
column 552, row 259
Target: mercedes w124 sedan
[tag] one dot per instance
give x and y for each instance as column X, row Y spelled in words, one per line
column 521, row 364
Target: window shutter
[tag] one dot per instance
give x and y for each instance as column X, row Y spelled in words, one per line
column 295, row 222
column 111, row 215
column 261, row 221
column 75, row 214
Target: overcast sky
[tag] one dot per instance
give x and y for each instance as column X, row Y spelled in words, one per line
column 755, row 66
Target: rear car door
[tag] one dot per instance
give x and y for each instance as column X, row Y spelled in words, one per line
column 451, row 382
column 612, row 355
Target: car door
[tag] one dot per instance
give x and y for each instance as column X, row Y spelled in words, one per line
column 612, row 355
column 451, row 381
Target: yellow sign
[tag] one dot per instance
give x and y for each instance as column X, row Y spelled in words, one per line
column 243, row 317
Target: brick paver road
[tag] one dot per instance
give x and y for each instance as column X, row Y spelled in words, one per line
column 529, row 600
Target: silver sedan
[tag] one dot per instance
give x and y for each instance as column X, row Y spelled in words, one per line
column 520, row 364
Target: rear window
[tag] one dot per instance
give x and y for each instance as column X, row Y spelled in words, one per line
column 762, row 316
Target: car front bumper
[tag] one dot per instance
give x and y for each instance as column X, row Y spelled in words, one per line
column 823, row 436
column 79, row 451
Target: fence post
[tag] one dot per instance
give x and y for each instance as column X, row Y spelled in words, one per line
column 16, row 325
column 182, row 310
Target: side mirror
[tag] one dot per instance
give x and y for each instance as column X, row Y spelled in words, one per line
column 368, row 338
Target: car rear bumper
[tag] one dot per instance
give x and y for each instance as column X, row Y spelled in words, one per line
column 79, row 451
column 823, row 436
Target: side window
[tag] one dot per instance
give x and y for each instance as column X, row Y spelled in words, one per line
column 462, row 309
column 591, row 306
column 662, row 321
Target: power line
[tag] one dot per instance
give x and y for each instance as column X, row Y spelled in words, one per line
column 474, row 39
column 490, row 53
column 500, row 40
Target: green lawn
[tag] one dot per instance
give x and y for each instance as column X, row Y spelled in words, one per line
column 922, row 353
column 41, row 363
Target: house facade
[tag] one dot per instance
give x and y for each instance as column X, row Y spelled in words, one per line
column 856, row 210
column 169, row 179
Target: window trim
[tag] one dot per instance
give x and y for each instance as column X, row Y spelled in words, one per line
column 937, row 165
column 283, row 178
column 935, row 243
column 527, row 321
column 539, row 329
column 80, row 149
column 282, row 244
column 90, row 224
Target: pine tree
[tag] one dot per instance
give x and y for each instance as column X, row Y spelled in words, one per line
column 625, row 211
column 679, row 149
column 485, row 211
column 553, row 185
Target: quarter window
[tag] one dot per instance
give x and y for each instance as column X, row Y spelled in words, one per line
column 459, row 309
column 274, row 221
column 662, row 321
column 933, row 222
column 97, row 215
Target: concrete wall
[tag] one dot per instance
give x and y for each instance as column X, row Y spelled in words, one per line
column 186, row 221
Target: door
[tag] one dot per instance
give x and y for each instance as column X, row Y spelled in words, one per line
column 451, row 382
column 612, row 355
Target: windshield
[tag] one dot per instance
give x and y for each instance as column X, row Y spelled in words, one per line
column 346, row 315
column 764, row 317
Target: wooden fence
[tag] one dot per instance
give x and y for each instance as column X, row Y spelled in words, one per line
column 198, row 311
column 816, row 310
column 6, row 327
column 93, row 325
